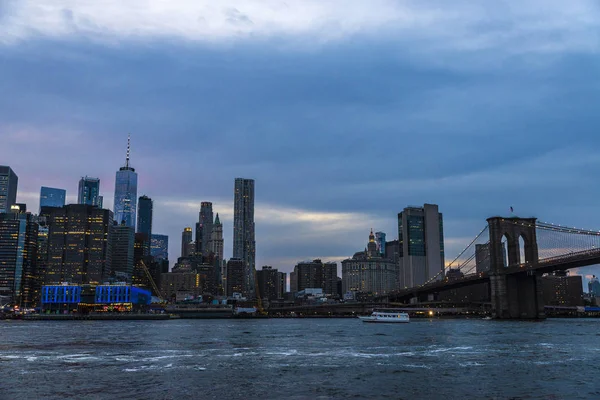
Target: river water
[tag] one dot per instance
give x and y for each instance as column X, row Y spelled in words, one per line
column 300, row 359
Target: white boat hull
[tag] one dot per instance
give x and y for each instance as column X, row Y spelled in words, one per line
column 384, row 320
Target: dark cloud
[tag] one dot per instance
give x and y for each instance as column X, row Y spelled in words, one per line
column 361, row 127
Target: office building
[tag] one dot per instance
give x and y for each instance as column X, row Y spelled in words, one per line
column 421, row 245
column 122, row 240
column 144, row 223
column 380, row 240
column 8, row 188
column 216, row 241
column 244, row 245
column 368, row 272
column 271, row 283
column 315, row 274
column 125, row 204
column 594, row 287
column 159, row 247
column 560, row 289
column 187, row 243
column 236, row 279
column 204, row 229
column 89, row 192
column 19, row 281
column 52, row 197
column 78, row 244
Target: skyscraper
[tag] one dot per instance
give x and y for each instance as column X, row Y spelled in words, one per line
column 144, row 223
column 8, row 188
column 204, row 229
column 18, row 258
column 421, row 245
column 122, row 239
column 380, row 240
column 244, row 245
column 159, row 247
column 78, row 247
column 89, row 192
column 126, row 192
column 51, row 197
column 186, row 242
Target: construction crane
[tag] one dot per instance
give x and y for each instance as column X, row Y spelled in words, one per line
column 261, row 310
column 149, row 276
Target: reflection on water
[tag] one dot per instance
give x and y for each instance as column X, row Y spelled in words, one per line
column 300, row 358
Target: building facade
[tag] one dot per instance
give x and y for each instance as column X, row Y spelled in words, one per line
column 88, row 192
column 271, row 283
column 315, row 274
column 122, row 240
column 159, row 247
column 18, row 259
column 8, row 188
column 368, row 272
column 560, row 289
column 144, row 216
column 52, row 197
column 244, row 244
column 187, row 242
column 380, row 240
column 235, row 276
column 125, row 204
column 421, row 245
column 594, row 287
column 78, row 244
column 204, row 229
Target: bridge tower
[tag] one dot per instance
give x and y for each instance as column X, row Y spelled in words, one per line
column 514, row 294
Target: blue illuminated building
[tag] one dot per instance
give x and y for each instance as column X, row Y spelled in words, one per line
column 52, row 197
column 61, row 294
column 89, row 192
column 126, row 193
column 110, row 294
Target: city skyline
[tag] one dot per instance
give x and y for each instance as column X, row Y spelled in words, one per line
column 478, row 113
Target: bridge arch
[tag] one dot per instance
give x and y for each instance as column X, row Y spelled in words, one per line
column 511, row 252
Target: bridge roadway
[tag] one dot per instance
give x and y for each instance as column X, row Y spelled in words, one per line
column 546, row 265
column 363, row 308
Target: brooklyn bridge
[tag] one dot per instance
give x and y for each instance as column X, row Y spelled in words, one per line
column 512, row 255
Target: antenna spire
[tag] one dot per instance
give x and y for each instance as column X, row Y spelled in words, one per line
column 128, row 150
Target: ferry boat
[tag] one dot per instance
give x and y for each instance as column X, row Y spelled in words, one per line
column 386, row 316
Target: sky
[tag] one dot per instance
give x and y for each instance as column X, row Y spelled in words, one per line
column 343, row 111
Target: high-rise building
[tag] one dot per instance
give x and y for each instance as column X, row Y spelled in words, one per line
column 316, row 274
column 380, row 240
column 8, row 188
column 126, row 193
column 421, row 245
column 204, row 229
column 270, row 283
column 244, row 245
column 560, row 289
column 160, row 247
column 122, row 239
column 18, row 259
column 594, row 287
column 52, row 197
column 216, row 241
column 368, row 272
column 235, row 276
column 78, row 246
column 144, row 223
column 89, row 192
column 187, row 244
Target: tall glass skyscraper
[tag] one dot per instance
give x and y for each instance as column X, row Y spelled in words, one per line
column 126, row 193
column 204, row 229
column 160, row 247
column 89, row 192
column 8, row 188
column 144, row 223
column 244, row 245
column 52, row 197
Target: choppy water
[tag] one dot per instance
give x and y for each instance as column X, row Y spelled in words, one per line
column 300, row 358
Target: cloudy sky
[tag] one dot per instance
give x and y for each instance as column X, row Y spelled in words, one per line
column 344, row 112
